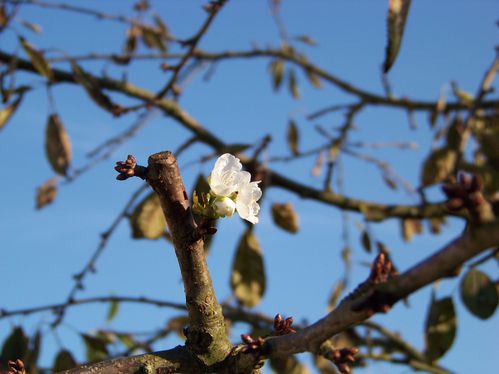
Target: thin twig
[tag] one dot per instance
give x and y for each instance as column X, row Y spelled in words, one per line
column 91, row 263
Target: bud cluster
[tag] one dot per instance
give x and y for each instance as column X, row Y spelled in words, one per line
column 467, row 193
column 16, row 367
column 129, row 168
column 342, row 358
column 283, row 326
column 251, row 345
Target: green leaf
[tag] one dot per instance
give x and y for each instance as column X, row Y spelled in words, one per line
column 438, row 166
column 127, row 340
column 57, row 145
column 479, row 294
column 285, row 217
column 293, row 137
column 8, row 111
column 201, row 187
column 440, row 328
column 287, row 365
column 15, row 346
column 96, row 348
column 113, row 310
column 147, row 220
column 93, row 89
column 63, row 361
column 397, row 16
column 33, row 352
column 248, row 273
column 37, row 59
column 338, row 289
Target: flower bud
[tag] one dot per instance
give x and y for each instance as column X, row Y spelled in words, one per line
column 224, row 206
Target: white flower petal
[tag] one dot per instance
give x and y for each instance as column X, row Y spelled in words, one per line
column 246, row 201
column 226, row 175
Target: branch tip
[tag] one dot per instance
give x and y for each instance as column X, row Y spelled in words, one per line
column 129, row 168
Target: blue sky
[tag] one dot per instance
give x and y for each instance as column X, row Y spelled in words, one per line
column 444, row 40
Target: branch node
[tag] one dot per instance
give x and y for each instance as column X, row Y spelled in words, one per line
column 342, row 358
column 381, row 271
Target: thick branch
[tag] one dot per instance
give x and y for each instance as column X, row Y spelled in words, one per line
column 176, row 360
column 373, row 211
column 441, row 264
column 206, row 335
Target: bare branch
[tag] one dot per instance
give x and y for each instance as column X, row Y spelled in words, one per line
column 206, row 336
column 352, row 311
column 373, row 211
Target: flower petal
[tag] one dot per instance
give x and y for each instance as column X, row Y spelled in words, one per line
column 225, row 177
column 246, row 201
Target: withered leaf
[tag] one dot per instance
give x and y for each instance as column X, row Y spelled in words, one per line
column 46, row 193
column 410, row 227
column 293, row 84
column 7, row 112
column 293, row 137
column 147, row 220
column 285, row 217
column 248, row 272
column 32, row 26
column 93, row 89
column 37, row 59
column 438, row 166
column 366, row 241
column 57, row 145
column 319, row 163
column 276, row 69
column 397, row 16
column 313, row 78
column 153, row 38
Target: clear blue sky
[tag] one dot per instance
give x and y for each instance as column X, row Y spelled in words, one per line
column 40, row 250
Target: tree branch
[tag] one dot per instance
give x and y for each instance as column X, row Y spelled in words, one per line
column 352, row 311
column 206, row 336
column 176, row 360
column 372, row 210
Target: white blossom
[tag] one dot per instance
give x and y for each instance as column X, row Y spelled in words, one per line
column 228, row 182
column 246, row 201
column 227, row 175
column 224, row 206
